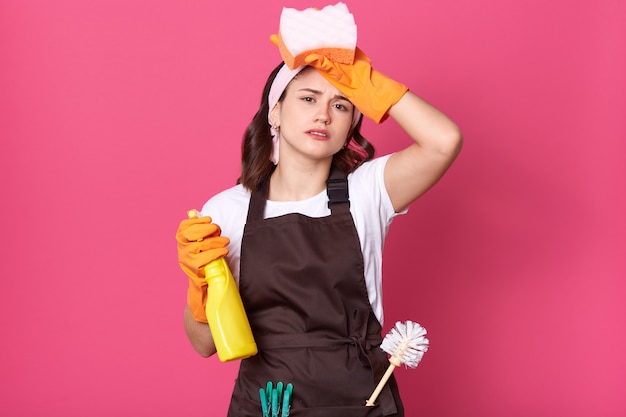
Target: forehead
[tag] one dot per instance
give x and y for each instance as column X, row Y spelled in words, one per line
column 310, row 78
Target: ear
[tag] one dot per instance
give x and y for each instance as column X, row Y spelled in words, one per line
column 275, row 115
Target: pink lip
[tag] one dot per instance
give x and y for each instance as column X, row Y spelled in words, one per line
column 319, row 134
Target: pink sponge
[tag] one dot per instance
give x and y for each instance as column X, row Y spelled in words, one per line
column 330, row 31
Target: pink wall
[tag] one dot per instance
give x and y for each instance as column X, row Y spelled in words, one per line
column 118, row 116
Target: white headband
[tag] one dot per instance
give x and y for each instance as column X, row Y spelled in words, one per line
column 280, row 83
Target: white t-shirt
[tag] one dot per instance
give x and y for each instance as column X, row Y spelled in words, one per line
column 370, row 206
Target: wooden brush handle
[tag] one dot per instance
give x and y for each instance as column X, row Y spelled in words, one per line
column 381, row 384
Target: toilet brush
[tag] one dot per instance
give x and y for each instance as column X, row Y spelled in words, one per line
column 406, row 343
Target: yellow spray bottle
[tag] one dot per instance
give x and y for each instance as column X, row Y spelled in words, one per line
column 225, row 312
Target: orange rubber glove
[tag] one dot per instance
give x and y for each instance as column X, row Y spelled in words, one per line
column 370, row 91
column 199, row 243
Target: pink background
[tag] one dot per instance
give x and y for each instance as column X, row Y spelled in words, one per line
column 118, row 116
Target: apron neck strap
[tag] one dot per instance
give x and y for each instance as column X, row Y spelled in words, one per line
column 337, row 190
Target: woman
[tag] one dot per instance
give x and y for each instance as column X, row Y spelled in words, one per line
column 305, row 228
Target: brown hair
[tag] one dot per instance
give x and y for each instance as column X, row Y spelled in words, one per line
column 256, row 147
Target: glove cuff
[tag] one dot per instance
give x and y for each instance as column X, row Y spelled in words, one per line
column 386, row 93
column 196, row 300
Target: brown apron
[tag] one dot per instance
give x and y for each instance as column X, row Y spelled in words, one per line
column 303, row 287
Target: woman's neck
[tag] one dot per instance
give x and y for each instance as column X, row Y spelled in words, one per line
column 291, row 182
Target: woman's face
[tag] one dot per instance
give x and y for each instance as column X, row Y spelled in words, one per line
column 314, row 117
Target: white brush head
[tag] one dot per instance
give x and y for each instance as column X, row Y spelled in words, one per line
column 406, row 342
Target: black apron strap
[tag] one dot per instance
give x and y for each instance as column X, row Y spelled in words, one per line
column 337, row 190
column 258, row 198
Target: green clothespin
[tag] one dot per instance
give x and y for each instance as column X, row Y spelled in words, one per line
column 264, row 402
column 287, row 400
column 274, row 403
column 279, row 388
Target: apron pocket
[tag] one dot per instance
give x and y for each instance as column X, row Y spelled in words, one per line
column 246, row 407
column 353, row 411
